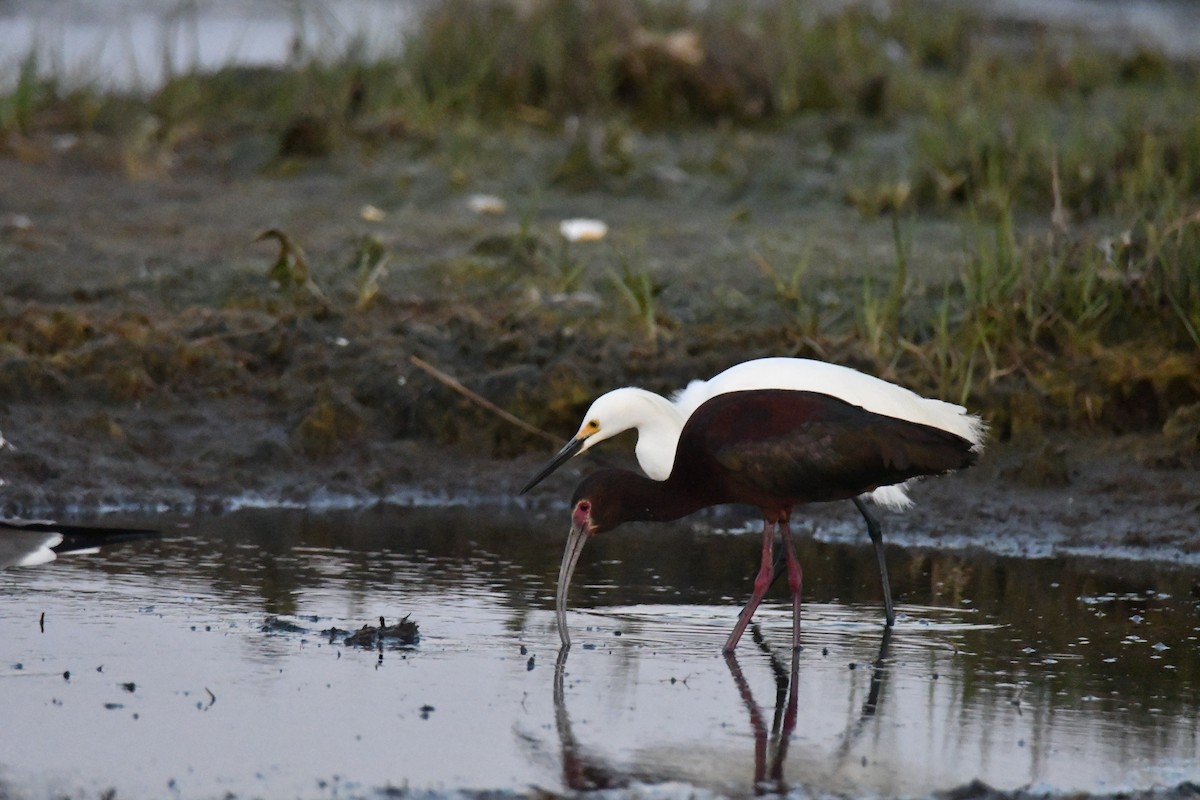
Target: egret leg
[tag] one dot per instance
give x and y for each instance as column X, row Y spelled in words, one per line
column 795, row 580
column 876, row 534
column 761, row 583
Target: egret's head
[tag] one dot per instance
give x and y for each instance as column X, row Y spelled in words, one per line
column 611, row 413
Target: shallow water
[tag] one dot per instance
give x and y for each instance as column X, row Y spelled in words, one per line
column 139, row 44
column 154, row 676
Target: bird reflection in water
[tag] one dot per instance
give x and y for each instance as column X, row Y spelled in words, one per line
column 581, row 772
column 878, row 671
column 784, row 722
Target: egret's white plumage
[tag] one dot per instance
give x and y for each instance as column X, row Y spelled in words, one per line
column 659, row 421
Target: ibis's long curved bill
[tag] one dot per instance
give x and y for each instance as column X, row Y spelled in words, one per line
column 569, row 449
column 576, row 539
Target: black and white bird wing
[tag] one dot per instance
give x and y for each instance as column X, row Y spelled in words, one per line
column 26, row 548
column 805, row 446
column 28, row 542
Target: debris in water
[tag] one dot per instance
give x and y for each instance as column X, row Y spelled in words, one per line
column 277, row 625
column 403, row 632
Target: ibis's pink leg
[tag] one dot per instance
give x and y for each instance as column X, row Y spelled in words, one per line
column 795, row 580
column 761, row 583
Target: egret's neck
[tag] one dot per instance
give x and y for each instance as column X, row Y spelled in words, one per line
column 658, row 427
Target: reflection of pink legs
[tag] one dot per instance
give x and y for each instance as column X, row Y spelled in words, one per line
column 766, row 572
column 756, row 720
column 795, row 580
column 770, row 748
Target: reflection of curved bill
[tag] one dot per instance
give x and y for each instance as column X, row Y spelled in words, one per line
column 25, row 543
column 579, row 773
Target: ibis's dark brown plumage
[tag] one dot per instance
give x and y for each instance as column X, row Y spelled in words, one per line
column 770, row 448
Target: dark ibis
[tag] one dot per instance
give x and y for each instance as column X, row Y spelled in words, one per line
column 659, row 423
column 773, row 449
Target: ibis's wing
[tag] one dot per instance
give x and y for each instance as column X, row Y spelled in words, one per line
column 810, row 446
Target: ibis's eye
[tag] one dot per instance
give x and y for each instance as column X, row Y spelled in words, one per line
column 584, row 506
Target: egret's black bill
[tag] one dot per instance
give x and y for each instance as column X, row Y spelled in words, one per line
column 569, row 449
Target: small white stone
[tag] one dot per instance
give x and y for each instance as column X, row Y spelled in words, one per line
column 583, row 230
column 487, row 204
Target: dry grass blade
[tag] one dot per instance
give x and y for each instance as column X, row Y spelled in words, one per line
column 483, row 402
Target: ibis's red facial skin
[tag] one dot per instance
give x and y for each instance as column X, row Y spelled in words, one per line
column 581, row 517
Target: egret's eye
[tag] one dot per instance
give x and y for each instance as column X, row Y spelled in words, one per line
column 593, row 425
